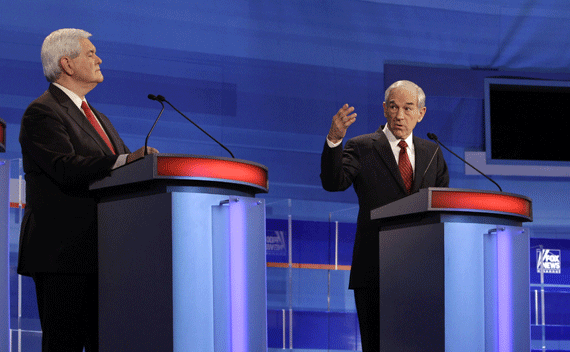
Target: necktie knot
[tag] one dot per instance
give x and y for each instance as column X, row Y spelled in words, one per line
column 403, row 145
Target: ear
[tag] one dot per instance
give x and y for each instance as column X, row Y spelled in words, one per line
column 422, row 113
column 385, row 109
column 66, row 65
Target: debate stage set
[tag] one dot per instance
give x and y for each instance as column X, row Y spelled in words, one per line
column 193, row 255
column 182, row 262
column 203, row 251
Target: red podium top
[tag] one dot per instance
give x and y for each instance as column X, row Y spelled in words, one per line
column 458, row 200
column 218, row 169
column 191, row 168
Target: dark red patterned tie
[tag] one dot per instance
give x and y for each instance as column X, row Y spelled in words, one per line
column 405, row 166
column 96, row 125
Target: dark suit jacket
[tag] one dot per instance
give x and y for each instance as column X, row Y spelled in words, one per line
column 62, row 153
column 367, row 162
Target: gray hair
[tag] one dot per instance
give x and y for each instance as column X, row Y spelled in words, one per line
column 419, row 91
column 63, row 42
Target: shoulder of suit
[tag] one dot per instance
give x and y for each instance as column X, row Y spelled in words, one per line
column 424, row 142
column 369, row 137
column 45, row 100
column 50, row 103
column 52, row 94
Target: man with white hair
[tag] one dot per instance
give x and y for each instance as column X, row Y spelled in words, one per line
column 383, row 166
column 66, row 145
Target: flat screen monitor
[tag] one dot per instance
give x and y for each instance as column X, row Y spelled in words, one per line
column 527, row 121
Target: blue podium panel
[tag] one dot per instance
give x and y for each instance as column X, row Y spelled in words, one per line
column 192, row 271
column 240, row 314
column 512, row 273
column 456, row 287
column 486, row 287
column 180, row 272
column 464, row 248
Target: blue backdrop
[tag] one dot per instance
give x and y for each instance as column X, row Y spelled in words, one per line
column 265, row 78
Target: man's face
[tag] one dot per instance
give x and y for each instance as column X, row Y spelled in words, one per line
column 402, row 112
column 86, row 65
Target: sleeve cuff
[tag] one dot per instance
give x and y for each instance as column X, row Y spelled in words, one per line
column 121, row 160
column 333, row 145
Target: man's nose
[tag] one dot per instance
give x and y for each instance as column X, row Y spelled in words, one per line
column 400, row 114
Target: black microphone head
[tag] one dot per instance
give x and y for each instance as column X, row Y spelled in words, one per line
column 151, row 97
column 432, row 136
column 160, row 98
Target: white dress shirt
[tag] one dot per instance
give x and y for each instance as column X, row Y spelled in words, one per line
column 394, row 145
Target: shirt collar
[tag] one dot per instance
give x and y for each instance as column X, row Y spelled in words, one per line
column 394, row 141
column 74, row 97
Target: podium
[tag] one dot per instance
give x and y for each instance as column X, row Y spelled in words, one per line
column 182, row 255
column 454, row 272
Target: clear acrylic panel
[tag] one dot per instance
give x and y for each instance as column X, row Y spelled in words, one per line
column 309, row 246
column 25, row 330
column 549, row 299
column 4, row 254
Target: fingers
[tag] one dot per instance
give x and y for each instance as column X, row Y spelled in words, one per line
column 139, row 153
column 341, row 121
column 346, row 115
column 151, row 150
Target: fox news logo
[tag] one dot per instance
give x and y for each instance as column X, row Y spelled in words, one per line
column 548, row 260
column 275, row 242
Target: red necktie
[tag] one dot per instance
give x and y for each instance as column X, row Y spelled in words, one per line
column 96, row 125
column 405, row 166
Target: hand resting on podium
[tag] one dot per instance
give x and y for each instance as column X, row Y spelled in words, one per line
column 139, row 153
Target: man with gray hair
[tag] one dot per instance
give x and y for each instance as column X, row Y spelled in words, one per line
column 383, row 166
column 66, row 145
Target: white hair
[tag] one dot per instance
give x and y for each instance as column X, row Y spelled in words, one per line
column 419, row 91
column 63, row 42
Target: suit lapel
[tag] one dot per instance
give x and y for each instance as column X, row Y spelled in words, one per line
column 422, row 161
column 382, row 145
column 113, row 135
column 77, row 116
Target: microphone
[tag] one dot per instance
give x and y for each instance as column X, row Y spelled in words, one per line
column 160, row 99
column 434, row 138
column 152, row 97
column 427, row 168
